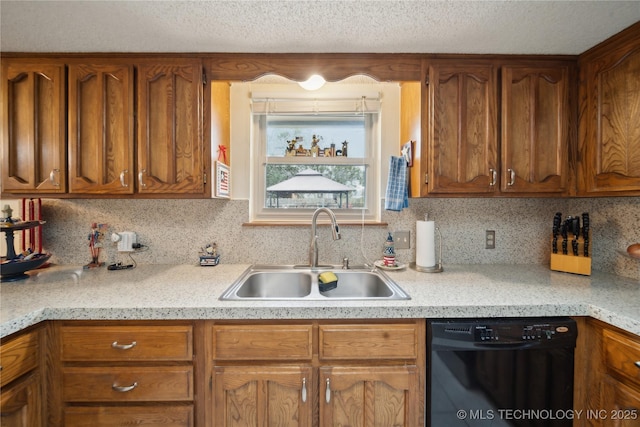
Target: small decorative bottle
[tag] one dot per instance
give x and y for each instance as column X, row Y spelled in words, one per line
column 389, row 254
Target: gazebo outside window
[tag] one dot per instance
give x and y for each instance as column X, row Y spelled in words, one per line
column 307, row 189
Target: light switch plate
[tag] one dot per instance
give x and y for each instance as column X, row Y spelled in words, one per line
column 402, row 239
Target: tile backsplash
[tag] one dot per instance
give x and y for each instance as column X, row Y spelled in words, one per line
column 175, row 230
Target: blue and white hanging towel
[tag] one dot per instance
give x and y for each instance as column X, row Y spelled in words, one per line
column 397, row 195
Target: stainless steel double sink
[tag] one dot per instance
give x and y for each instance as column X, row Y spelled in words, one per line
column 300, row 283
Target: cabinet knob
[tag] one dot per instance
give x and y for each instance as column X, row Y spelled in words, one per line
column 123, row 346
column 512, row 177
column 304, row 390
column 637, row 363
column 125, row 388
column 122, row 175
column 327, row 395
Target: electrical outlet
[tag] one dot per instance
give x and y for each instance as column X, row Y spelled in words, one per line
column 402, row 239
column 125, row 240
column 490, row 239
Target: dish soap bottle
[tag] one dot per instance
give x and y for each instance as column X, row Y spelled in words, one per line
column 389, row 254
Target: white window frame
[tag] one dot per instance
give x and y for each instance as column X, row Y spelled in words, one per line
column 259, row 160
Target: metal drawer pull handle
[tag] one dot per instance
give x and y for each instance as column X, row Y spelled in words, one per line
column 494, row 177
column 52, row 177
column 140, row 175
column 124, row 388
column 123, row 346
column 512, row 177
column 122, row 183
column 304, row 390
column 637, row 363
column 327, row 396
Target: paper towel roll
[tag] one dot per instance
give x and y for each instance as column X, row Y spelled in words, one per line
column 425, row 244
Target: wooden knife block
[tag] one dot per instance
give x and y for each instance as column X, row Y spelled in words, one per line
column 571, row 263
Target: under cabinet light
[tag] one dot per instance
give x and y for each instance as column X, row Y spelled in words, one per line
column 314, row 82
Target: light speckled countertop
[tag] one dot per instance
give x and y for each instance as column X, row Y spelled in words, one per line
column 192, row 292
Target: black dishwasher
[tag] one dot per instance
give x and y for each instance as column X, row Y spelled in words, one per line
column 500, row 372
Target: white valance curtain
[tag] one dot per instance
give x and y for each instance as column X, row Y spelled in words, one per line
column 265, row 103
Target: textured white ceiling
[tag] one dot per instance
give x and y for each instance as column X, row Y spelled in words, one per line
column 509, row 27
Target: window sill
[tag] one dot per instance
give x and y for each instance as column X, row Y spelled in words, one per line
column 308, row 223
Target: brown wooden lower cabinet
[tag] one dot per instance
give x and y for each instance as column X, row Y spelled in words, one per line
column 123, row 373
column 369, row 396
column 318, row 373
column 263, row 396
column 607, row 376
column 315, row 373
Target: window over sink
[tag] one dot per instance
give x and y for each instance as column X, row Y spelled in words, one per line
column 311, row 150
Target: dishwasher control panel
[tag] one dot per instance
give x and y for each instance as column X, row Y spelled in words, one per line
column 499, row 331
column 514, row 333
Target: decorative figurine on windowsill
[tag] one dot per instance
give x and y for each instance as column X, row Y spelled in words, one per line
column 209, row 255
column 291, row 148
column 315, row 150
column 95, row 244
column 344, row 148
column 343, row 152
column 301, row 151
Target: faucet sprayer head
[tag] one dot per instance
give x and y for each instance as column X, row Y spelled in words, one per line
column 336, row 232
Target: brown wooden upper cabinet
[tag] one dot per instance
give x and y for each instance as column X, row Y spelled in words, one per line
column 102, row 118
column 481, row 144
column 535, row 129
column 101, row 129
column 33, row 135
column 461, row 127
column 609, row 149
column 170, row 128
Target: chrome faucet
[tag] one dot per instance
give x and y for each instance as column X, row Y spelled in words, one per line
column 313, row 249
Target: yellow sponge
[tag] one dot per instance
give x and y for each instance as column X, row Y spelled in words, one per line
column 327, row 277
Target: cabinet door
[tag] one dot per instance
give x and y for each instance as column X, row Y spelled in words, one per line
column 371, row 396
column 33, row 131
column 621, row 404
column 462, row 128
column 535, row 129
column 263, row 396
column 20, row 404
column 101, row 129
column 170, row 141
column 610, row 129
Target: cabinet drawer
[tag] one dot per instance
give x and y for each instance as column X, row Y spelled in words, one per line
column 263, row 342
column 18, row 356
column 128, row 384
column 126, row 343
column 98, row 416
column 368, row 342
column 622, row 355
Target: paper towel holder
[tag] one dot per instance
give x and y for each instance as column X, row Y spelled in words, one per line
column 436, row 268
